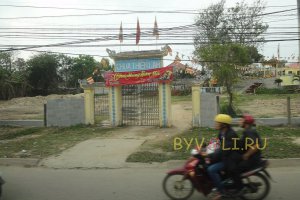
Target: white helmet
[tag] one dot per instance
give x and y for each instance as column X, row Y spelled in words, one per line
column 194, row 152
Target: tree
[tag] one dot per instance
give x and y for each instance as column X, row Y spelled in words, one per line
column 227, row 39
column 254, row 54
column 13, row 76
column 20, row 64
column 65, row 64
column 43, row 73
column 278, row 81
column 82, row 68
column 240, row 24
column 224, row 60
column 6, row 60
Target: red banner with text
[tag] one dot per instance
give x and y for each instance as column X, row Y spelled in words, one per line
column 161, row 75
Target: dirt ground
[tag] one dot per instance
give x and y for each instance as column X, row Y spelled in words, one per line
column 271, row 107
column 27, row 107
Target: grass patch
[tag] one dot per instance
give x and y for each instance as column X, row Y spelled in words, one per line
column 279, row 144
column 147, row 157
column 99, row 119
column 176, row 99
column 263, row 90
column 18, row 133
column 51, row 141
column 242, row 99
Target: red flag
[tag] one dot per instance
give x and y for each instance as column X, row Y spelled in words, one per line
column 121, row 34
column 138, row 32
column 155, row 29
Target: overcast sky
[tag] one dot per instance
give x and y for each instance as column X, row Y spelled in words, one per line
column 112, row 21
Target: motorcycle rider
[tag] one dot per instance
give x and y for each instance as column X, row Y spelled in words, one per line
column 226, row 136
column 249, row 149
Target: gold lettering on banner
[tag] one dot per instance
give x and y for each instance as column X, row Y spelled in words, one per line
column 118, row 76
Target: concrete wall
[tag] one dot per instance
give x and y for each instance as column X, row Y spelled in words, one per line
column 279, row 121
column 208, row 109
column 165, row 111
column 205, row 107
column 65, row 112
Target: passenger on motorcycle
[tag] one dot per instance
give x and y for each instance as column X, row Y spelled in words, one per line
column 226, row 136
column 249, row 149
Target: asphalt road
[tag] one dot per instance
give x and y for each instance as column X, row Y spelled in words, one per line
column 115, row 184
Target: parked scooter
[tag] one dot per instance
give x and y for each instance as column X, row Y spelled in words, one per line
column 179, row 184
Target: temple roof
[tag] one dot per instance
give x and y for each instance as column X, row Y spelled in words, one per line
column 138, row 54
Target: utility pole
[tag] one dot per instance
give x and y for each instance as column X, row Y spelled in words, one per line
column 278, row 60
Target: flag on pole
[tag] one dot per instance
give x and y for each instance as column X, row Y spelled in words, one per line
column 121, row 34
column 278, row 51
column 138, row 32
column 155, row 29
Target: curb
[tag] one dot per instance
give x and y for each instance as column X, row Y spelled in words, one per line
column 286, row 162
column 24, row 162
column 30, row 162
column 274, row 163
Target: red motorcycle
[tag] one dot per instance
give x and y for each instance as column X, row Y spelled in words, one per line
column 179, row 184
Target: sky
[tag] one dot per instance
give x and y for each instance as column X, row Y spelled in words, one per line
column 53, row 30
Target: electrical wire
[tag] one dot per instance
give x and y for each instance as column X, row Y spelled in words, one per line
column 126, row 13
column 94, row 9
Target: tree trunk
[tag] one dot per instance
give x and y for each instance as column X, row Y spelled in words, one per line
column 230, row 109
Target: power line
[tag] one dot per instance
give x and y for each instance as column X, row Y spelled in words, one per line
column 165, row 59
column 91, row 40
column 93, row 14
column 26, row 47
column 94, row 9
column 126, row 13
column 116, row 29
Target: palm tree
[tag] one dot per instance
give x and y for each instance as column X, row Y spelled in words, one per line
column 278, row 81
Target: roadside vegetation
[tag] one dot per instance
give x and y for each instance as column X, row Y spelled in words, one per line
column 177, row 99
column 47, row 73
column 42, row 142
column 262, row 105
column 279, row 144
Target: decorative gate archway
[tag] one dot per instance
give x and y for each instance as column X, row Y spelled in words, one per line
column 140, row 104
column 139, row 91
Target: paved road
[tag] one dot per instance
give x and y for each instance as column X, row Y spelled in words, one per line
column 115, row 184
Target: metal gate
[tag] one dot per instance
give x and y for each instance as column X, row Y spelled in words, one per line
column 101, row 109
column 140, row 104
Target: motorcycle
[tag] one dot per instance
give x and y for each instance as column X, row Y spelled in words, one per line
column 1, row 183
column 179, row 184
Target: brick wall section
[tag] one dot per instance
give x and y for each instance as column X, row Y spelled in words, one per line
column 65, row 112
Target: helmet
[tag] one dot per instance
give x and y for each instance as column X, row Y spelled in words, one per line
column 222, row 118
column 194, row 152
column 248, row 119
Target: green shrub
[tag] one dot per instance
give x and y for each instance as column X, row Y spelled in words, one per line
column 263, row 90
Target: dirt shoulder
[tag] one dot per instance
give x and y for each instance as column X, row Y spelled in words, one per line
column 28, row 107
